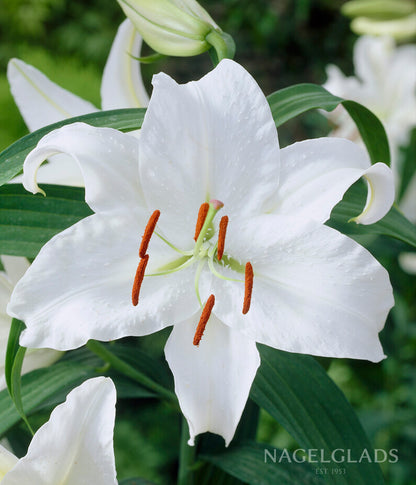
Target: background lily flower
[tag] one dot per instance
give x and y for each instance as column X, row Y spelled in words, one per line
column 385, row 83
column 75, row 446
column 274, row 274
column 42, row 102
column 14, row 269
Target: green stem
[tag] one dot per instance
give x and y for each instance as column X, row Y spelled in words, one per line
column 186, row 457
column 126, row 369
column 222, row 43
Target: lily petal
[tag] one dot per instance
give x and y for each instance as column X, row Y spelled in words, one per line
column 122, row 84
column 371, row 59
column 75, row 446
column 315, row 174
column 226, row 148
column 7, row 461
column 315, row 290
column 108, row 161
column 79, row 286
column 15, row 267
column 407, row 262
column 213, row 380
column 41, row 101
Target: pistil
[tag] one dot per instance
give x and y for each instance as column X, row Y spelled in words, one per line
column 214, row 207
column 206, row 313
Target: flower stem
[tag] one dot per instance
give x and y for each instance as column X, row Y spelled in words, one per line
column 126, row 369
column 223, row 44
column 186, row 457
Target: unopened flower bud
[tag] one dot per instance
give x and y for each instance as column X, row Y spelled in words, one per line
column 173, row 27
column 396, row 18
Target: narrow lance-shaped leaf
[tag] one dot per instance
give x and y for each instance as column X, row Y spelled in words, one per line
column 27, row 222
column 16, row 328
column 13, row 367
column 39, row 387
column 296, row 391
column 249, row 460
column 48, row 386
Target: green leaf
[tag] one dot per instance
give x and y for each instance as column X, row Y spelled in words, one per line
column 40, row 386
column 136, row 481
column 208, row 474
column 393, row 224
column 250, row 463
column 134, row 356
column 13, row 367
column 12, row 158
column 17, row 387
column 290, row 102
column 27, row 222
column 371, row 130
column 47, row 387
column 121, row 363
column 287, row 103
column 16, row 328
column 296, row 391
column 409, row 164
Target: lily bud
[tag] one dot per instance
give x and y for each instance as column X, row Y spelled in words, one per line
column 396, row 18
column 403, row 29
column 172, row 27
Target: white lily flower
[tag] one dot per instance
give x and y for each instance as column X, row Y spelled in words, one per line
column 171, row 27
column 42, row 102
column 284, row 279
column 75, row 446
column 15, row 268
column 385, row 83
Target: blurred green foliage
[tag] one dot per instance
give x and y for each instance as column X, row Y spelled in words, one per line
column 281, row 42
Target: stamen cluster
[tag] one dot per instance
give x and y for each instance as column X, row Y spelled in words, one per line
column 206, row 214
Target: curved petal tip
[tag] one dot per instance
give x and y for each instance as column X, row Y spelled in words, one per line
column 381, row 194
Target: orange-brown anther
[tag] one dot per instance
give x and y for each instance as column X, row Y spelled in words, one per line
column 221, row 237
column 206, row 313
column 248, row 289
column 150, row 227
column 138, row 279
column 202, row 215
